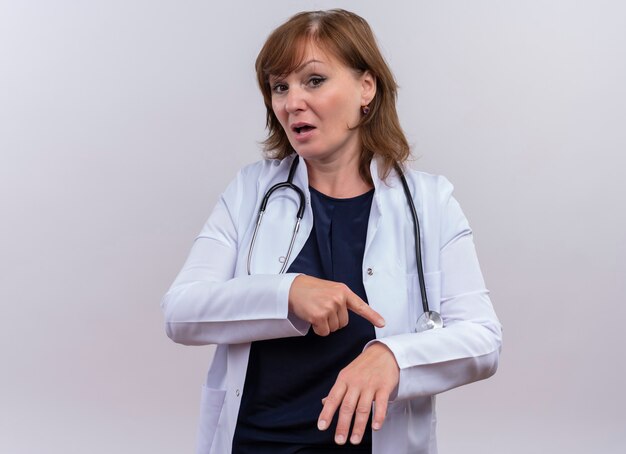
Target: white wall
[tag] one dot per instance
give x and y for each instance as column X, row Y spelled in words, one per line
column 121, row 121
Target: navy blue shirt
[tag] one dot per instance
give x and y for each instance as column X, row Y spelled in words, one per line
column 288, row 377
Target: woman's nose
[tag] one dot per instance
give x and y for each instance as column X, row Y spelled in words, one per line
column 295, row 100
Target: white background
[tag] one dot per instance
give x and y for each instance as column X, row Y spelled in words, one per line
column 121, row 122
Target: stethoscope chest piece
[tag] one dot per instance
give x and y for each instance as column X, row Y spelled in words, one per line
column 428, row 320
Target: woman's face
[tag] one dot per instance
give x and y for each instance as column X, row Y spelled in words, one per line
column 318, row 104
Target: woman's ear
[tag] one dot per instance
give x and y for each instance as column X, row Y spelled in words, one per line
column 368, row 88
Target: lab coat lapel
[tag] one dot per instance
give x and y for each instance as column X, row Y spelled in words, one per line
column 376, row 210
column 384, row 261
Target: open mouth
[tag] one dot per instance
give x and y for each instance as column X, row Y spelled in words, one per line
column 302, row 128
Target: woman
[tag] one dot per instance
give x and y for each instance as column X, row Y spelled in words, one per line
column 325, row 357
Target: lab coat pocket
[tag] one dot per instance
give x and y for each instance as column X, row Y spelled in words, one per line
column 433, row 293
column 211, row 405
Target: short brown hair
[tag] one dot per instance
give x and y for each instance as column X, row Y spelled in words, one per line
column 349, row 38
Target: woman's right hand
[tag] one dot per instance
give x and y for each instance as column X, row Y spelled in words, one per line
column 324, row 304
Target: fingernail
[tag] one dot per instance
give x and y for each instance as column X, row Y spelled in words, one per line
column 340, row 439
column 355, row 439
column 321, row 424
column 381, row 322
column 376, row 426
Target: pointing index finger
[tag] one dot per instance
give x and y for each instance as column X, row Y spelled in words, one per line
column 360, row 307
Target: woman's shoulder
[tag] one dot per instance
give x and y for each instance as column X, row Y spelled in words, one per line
column 264, row 168
column 428, row 185
column 436, row 192
column 426, row 177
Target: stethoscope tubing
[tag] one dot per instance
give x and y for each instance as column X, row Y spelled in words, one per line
column 299, row 215
column 416, row 234
column 431, row 319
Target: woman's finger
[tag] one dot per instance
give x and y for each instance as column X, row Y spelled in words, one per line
column 321, row 328
column 333, row 322
column 361, row 416
column 331, row 403
column 358, row 306
column 380, row 410
column 346, row 413
column 343, row 317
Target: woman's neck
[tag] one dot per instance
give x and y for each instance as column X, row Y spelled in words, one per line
column 337, row 179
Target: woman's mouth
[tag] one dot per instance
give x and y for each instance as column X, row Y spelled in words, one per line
column 302, row 128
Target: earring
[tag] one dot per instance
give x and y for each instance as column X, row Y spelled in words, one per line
column 365, row 110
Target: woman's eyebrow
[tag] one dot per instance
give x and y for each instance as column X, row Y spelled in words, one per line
column 271, row 78
column 302, row 66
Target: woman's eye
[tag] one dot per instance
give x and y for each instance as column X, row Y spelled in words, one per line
column 316, row 81
column 279, row 87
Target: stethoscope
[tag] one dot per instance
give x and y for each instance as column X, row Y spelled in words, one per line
column 429, row 319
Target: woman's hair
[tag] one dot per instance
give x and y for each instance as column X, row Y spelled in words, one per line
column 349, row 38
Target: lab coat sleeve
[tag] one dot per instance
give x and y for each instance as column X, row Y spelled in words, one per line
column 206, row 304
column 467, row 348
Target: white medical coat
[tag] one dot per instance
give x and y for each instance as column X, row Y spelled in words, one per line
column 214, row 301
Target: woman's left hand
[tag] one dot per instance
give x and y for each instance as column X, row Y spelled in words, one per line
column 370, row 378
